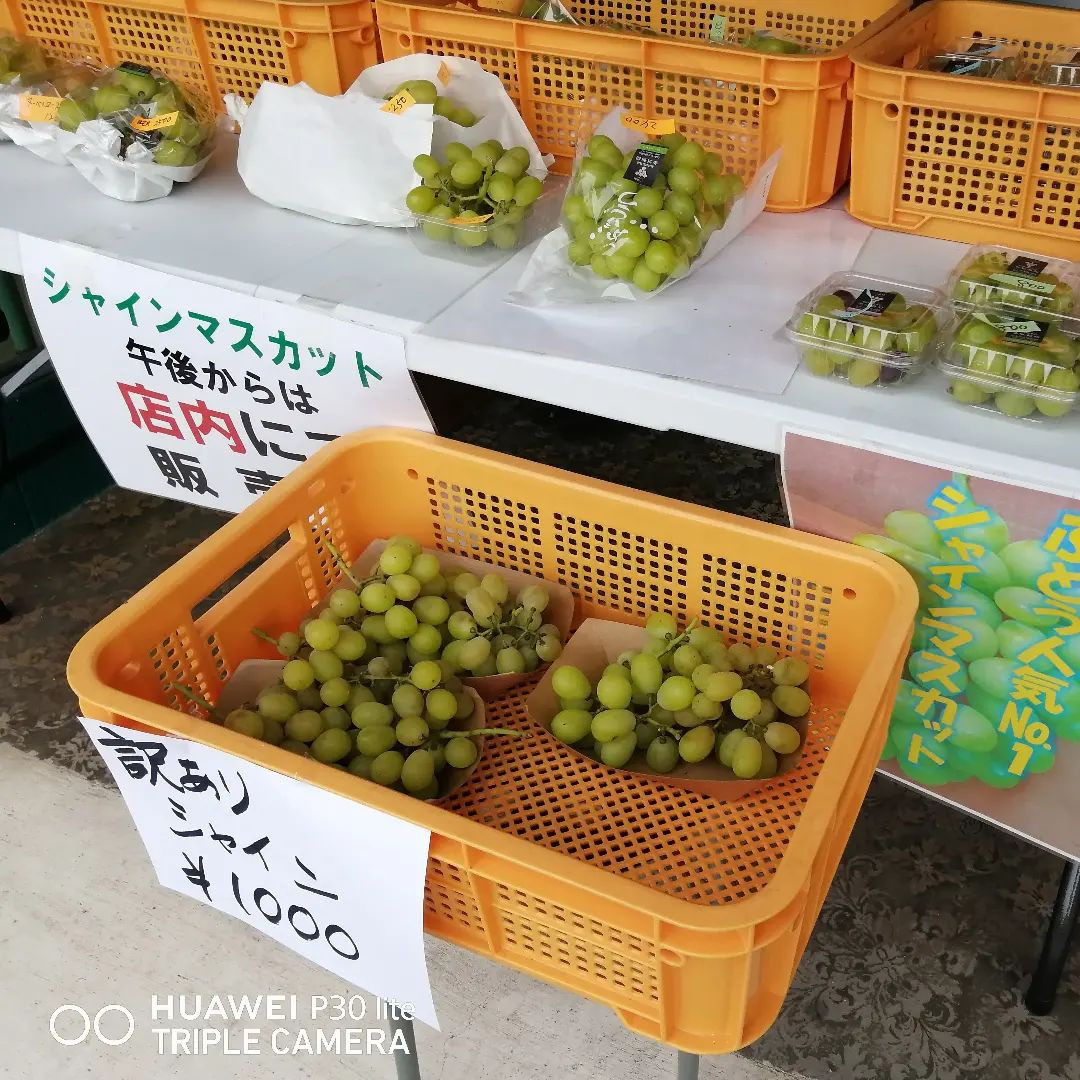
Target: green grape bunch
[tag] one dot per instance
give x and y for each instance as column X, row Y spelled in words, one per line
column 23, row 62
column 410, row 608
column 425, row 92
column 372, row 682
column 1007, row 359
column 645, row 234
column 765, row 41
column 128, row 96
column 840, row 338
column 684, row 697
column 475, row 197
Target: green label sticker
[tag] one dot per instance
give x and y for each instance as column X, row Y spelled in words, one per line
column 718, row 28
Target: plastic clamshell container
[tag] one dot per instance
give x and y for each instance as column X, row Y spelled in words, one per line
column 690, row 931
column 975, row 160
column 992, row 276
column 742, row 104
column 490, row 240
column 210, row 47
column 848, row 328
column 978, row 58
column 998, row 359
column 1061, row 68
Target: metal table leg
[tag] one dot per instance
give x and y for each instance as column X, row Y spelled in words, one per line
column 688, row 1065
column 1044, row 983
column 405, row 1061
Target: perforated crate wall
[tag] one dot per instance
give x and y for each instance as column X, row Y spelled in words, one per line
column 684, row 914
column 968, row 159
column 205, row 48
column 742, row 104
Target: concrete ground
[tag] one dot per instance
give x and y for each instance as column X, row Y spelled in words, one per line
column 86, row 923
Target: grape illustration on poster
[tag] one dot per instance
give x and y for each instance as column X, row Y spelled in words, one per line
column 991, row 688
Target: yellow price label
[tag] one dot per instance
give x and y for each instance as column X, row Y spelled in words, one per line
column 444, row 74
column 38, row 108
column 649, row 125
column 469, row 220
column 154, row 123
column 399, row 103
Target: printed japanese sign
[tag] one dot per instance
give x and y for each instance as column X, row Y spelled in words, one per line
column 340, row 883
column 199, row 393
column 988, row 709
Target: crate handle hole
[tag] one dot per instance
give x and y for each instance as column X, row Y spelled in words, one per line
column 405, row 41
column 365, row 35
column 412, row 474
column 891, row 110
column 291, row 39
column 849, row 594
column 769, row 95
column 671, row 957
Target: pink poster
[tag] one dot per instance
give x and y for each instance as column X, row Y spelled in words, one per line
column 987, row 716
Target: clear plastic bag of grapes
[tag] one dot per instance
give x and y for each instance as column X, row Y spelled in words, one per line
column 30, row 105
column 642, row 211
column 136, row 133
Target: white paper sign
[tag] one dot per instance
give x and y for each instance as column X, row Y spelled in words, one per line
column 203, row 394
column 340, row 883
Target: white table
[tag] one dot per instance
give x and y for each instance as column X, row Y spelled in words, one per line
column 458, row 326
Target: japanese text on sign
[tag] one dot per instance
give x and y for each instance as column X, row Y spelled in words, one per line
column 241, row 838
column 201, row 393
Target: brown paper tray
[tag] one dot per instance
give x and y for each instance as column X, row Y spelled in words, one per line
column 597, row 643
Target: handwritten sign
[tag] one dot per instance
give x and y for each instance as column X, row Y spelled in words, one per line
column 153, row 123
column 399, row 103
column 338, row 882
column 200, row 393
column 38, row 108
column 648, row 125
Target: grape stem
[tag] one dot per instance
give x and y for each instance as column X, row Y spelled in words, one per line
column 264, row 635
column 184, row 691
column 343, row 566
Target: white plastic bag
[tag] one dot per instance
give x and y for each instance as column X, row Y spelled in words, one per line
column 46, row 139
column 466, row 83
column 551, row 278
column 342, row 159
column 136, row 177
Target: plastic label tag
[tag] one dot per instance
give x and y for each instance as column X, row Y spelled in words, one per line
column 644, row 166
column 399, row 103
column 38, row 108
column 135, row 69
column 869, row 302
column 154, row 123
column 718, row 28
column 1017, row 331
column 1020, row 274
column 444, row 74
column 467, row 220
column 959, row 66
column 649, row 125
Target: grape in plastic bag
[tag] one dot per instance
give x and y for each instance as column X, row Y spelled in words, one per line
column 645, row 214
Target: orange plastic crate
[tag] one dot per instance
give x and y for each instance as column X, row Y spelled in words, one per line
column 210, row 47
column 740, row 103
column 686, row 915
column 963, row 158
